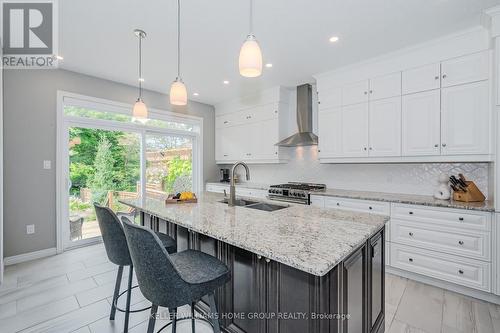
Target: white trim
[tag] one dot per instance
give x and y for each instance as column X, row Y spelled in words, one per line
column 410, row 159
column 30, row 256
column 483, row 295
column 1, row 166
column 64, row 122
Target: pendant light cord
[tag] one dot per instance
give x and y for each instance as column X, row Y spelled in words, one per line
column 178, row 39
column 140, row 66
column 250, row 25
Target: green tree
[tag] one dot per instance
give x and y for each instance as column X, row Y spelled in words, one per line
column 177, row 168
column 102, row 179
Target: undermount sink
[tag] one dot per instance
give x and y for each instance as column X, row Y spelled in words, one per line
column 266, row 207
column 240, row 202
column 255, row 205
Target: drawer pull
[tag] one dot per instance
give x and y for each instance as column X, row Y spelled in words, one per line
column 460, row 218
column 268, row 260
column 460, row 271
column 370, row 207
column 411, row 234
column 410, row 259
column 338, row 203
column 461, row 242
column 411, row 213
column 259, row 257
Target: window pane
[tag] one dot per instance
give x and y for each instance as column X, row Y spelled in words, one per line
column 169, row 165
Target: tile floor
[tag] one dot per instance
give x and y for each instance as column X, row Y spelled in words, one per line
column 72, row 293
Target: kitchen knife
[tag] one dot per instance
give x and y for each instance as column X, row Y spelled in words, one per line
column 457, row 184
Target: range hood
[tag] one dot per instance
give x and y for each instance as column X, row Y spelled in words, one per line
column 305, row 136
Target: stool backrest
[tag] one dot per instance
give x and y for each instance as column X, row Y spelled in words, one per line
column 159, row 280
column 113, row 236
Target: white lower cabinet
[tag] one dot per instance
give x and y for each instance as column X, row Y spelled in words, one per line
column 240, row 191
column 453, row 245
column 355, row 205
column 463, row 271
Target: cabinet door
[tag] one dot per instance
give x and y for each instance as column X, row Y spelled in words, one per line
column 385, row 86
column 465, row 119
column 261, row 139
column 376, row 281
column 354, row 291
column 385, row 127
column 356, row 92
column 470, row 68
column 245, row 297
column 228, row 143
column 355, row 130
column 328, row 99
column 330, row 133
column 421, row 123
column 421, row 79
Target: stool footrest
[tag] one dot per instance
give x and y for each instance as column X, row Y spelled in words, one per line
column 130, row 311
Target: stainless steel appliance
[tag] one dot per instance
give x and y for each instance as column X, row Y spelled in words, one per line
column 294, row 192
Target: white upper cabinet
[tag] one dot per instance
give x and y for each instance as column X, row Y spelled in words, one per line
column 354, row 120
column 470, row 68
column 330, row 99
column 248, row 128
column 330, row 133
column 385, row 127
column 356, row 92
column 385, row 86
column 421, row 79
column 421, row 124
column 465, row 119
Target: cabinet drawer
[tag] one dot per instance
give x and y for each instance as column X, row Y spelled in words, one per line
column 365, row 206
column 251, row 193
column 467, row 272
column 466, row 243
column 456, row 218
column 217, row 188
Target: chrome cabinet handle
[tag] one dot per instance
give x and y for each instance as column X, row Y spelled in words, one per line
column 370, row 208
column 226, row 122
column 444, row 145
column 338, row 204
column 436, row 145
column 259, row 257
column 411, row 213
column 460, row 218
column 410, row 259
column 436, row 77
column 411, row 234
column 461, row 242
column 268, row 260
column 366, row 92
column 371, row 91
column 364, row 148
column 460, row 271
column 444, row 76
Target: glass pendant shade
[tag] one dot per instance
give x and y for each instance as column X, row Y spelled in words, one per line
column 250, row 61
column 140, row 110
column 178, row 93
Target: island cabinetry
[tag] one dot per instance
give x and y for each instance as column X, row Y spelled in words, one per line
column 265, row 296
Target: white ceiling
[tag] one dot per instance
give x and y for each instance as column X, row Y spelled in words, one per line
column 97, row 38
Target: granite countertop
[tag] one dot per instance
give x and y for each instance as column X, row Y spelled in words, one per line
column 411, row 199
column 308, row 238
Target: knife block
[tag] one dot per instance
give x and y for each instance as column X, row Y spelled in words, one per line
column 473, row 194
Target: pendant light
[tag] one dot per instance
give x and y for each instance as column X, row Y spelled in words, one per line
column 250, row 61
column 178, row 92
column 140, row 110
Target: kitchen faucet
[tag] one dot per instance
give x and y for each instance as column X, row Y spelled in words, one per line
column 232, row 190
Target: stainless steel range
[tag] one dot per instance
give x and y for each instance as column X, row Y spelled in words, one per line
column 294, row 192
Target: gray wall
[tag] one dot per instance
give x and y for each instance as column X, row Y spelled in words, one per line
column 30, row 105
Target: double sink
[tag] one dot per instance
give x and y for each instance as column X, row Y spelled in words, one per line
column 267, row 207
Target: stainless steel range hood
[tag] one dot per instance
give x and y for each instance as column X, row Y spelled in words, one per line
column 305, row 136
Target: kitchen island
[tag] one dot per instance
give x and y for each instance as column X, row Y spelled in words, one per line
column 297, row 269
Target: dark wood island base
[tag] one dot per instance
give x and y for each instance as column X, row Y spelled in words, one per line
column 265, row 296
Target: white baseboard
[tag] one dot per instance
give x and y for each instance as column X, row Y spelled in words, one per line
column 482, row 295
column 29, row 256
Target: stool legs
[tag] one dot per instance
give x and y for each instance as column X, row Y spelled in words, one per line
column 129, row 294
column 173, row 316
column 117, row 291
column 213, row 312
column 192, row 318
column 152, row 318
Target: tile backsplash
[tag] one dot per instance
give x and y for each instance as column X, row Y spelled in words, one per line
column 409, row 178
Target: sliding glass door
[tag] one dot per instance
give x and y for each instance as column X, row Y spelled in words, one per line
column 106, row 157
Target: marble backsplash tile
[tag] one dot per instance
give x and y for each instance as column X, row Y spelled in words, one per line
column 410, row 178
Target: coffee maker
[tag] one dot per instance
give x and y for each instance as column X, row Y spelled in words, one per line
column 224, row 176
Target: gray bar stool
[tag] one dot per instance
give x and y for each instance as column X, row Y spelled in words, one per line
column 118, row 253
column 173, row 280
